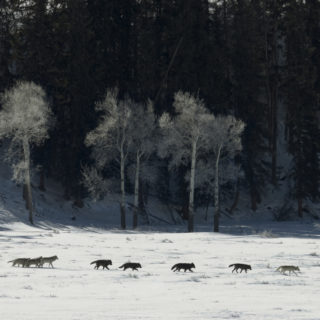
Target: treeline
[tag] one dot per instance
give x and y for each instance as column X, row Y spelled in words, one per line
column 258, row 60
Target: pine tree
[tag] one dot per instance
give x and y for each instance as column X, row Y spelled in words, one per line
column 71, row 86
column 272, row 12
column 5, row 44
column 302, row 104
column 247, row 54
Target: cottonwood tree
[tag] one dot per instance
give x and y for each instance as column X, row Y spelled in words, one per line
column 226, row 142
column 111, row 139
column 143, row 144
column 185, row 137
column 25, row 119
column 205, row 180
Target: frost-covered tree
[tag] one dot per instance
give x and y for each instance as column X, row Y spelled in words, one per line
column 111, row 139
column 143, row 144
column 205, row 180
column 24, row 119
column 226, row 142
column 185, row 137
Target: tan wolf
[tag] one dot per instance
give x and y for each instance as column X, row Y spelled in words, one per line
column 48, row 260
column 19, row 261
column 33, row 262
column 241, row 266
column 290, row 269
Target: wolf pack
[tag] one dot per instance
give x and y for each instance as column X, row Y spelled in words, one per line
column 39, row 262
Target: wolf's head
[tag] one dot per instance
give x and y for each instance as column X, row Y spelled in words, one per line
column 192, row 265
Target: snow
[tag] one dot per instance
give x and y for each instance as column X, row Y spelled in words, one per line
column 73, row 289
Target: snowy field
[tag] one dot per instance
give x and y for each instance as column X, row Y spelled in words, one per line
column 74, row 290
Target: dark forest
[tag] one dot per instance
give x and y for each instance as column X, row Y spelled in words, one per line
column 258, row 60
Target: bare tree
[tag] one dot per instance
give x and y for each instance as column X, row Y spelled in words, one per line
column 205, row 178
column 96, row 184
column 143, row 144
column 185, row 137
column 111, row 139
column 25, row 118
column 226, row 141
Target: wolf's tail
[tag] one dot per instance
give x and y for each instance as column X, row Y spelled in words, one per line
column 121, row 266
column 93, row 262
column 10, row 261
column 173, row 267
column 231, row 265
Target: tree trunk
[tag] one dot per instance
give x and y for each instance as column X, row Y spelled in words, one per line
column 235, row 201
column 274, row 126
column 272, row 83
column 253, row 201
column 237, row 195
column 27, row 180
column 24, row 193
column 143, row 199
column 300, row 207
column 207, row 208
column 254, row 198
column 216, row 194
column 41, row 182
column 123, row 194
column 136, row 193
column 191, row 193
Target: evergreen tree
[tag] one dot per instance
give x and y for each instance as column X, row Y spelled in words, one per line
column 5, row 44
column 272, row 12
column 246, row 57
column 302, row 103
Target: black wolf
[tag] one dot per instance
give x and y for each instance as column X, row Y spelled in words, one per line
column 241, row 266
column 132, row 265
column 102, row 263
column 185, row 266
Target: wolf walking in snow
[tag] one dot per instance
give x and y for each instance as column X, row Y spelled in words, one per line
column 19, row 261
column 132, row 265
column 240, row 266
column 33, row 262
column 48, row 260
column 290, row 269
column 102, row 263
column 185, row 266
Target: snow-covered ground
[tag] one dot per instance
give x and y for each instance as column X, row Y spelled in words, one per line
column 74, row 290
